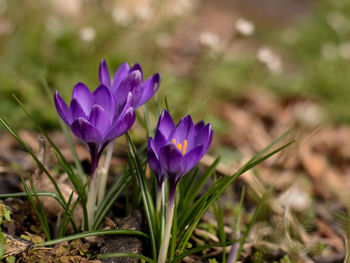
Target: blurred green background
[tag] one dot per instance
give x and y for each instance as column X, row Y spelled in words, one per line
column 206, row 51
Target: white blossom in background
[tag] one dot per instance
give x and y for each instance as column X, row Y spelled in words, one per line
column 181, row 7
column 309, row 114
column 329, row 51
column 244, row 27
column 143, row 11
column 67, row 7
column 344, row 50
column 122, row 16
column 87, row 34
column 272, row 61
column 209, row 40
column 338, row 21
column 163, row 39
column 3, row 6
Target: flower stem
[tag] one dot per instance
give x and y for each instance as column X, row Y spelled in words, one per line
column 163, row 251
column 102, row 177
column 159, row 197
column 91, row 201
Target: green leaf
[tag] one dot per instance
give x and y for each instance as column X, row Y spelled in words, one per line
column 146, row 196
column 41, row 215
column 92, row 233
column 251, row 223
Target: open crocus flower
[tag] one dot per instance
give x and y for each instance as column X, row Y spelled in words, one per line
column 175, row 150
column 93, row 118
column 127, row 80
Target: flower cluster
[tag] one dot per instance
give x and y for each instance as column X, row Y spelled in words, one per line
column 100, row 117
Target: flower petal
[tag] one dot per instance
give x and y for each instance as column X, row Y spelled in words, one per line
column 155, row 165
column 166, row 124
column 122, row 125
column 128, row 85
column 185, row 131
column 100, row 119
column 159, row 140
column 76, row 110
column 193, row 157
column 204, row 137
column 84, row 130
column 62, row 109
column 137, row 67
column 199, row 125
column 104, row 98
column 120, row 75
column 147, row 90
column 104, row 74
column 83, row 95
column 172, row 160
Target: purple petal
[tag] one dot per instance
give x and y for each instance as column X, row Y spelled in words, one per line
column 166, row 124
column 155, row 165
column 128, row 85
column 193, row 157
column 104, row 98
column 119, row 76
column 172, row 160
column 62, row 109
column 122, row 125
column 104, row 74
column 137, row 67
column 159, row 140
column 185, row 131
column 76, row 110
column 204, row 137
column 86, row 131
column 83, row 95
column 147, row 90
column 199, row 126
column 100, row 119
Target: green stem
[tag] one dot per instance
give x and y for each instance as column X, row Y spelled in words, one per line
column 102, row 177
column 166, row 236
column 91, row 201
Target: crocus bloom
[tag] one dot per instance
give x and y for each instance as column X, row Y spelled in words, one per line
column 94, row 119
column 175, row 150
column 127, row 80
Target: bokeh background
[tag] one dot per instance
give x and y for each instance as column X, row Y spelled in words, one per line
column 253, row 68
column 206, row 51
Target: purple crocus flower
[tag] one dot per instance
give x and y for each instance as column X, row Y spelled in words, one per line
column 175, row 150
column 94, row 119
column 127, row 80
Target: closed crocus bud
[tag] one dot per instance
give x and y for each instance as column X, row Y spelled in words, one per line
column 127, row 80
column 93, row 118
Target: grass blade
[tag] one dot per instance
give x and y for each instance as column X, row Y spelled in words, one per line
column 92, row 233
column 40, row 214
column 146, row 196
column 251, row 223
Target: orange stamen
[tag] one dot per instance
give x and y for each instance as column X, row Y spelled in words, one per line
column 179, row 146
column 184, row 148
column 174, row 141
